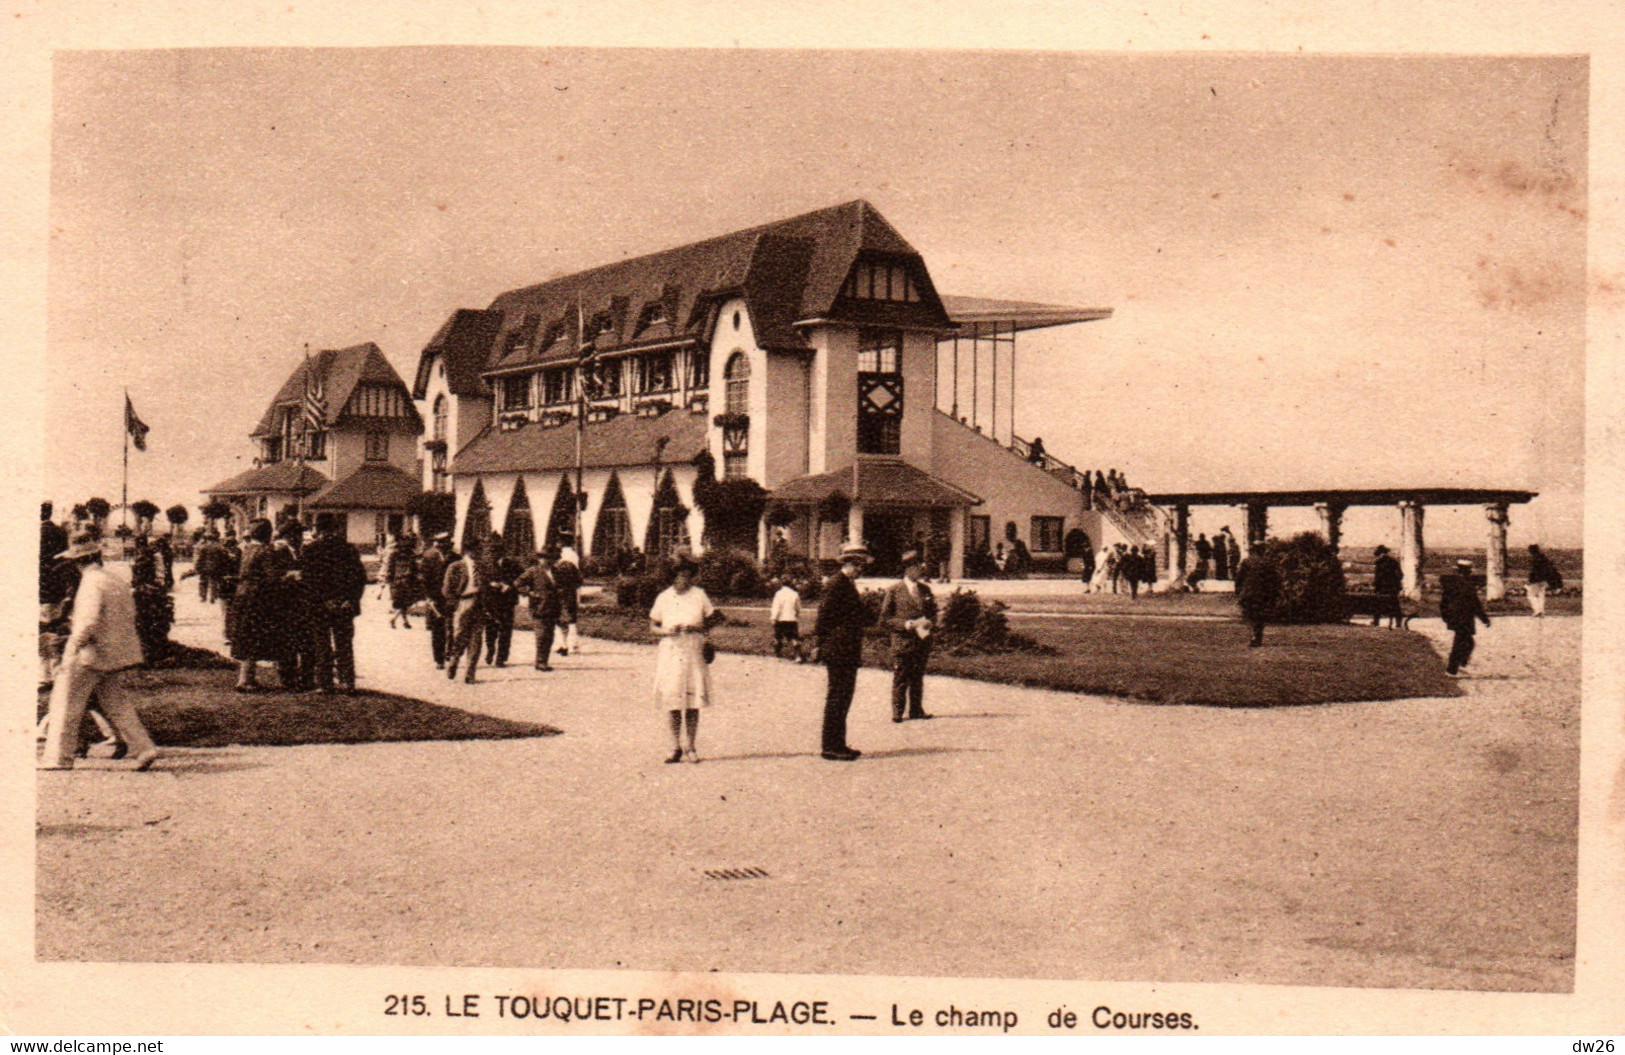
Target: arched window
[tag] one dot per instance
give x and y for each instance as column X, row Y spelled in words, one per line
column 736, row 432
column 441, row 413
column 736, row 376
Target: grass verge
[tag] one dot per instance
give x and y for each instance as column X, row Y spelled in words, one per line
column 191, row 704
column 1167, row 661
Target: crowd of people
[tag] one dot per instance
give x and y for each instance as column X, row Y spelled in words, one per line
column 290, row 598
column 1216, row 559
column 1121, row 568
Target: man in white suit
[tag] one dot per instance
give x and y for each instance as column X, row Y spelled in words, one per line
column 102, row 644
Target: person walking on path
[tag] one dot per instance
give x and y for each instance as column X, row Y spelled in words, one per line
column 567, row 573
column 681, row 615
column 432, row 577
column 335, row 581
column 1386, row 581
column 1461, row 610
column 102, row 644
column 464, row 591
column 1258, row 588
column 842, row 618
column 404, row 578
column 207, row 565
column 1543, row 576
column 501, row 599
column 785, row 614
column 1222, row 554
column 537, row 584
column 909, row 611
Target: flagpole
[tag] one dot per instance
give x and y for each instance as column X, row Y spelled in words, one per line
column 124, row 495
column 304, row 436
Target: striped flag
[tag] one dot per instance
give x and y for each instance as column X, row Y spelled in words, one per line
column 315, row 402
column 133, row 425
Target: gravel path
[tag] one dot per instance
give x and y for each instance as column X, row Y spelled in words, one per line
column 1427, row 843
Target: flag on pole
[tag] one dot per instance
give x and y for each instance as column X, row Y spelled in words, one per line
column 133, row 425
column 315, row 399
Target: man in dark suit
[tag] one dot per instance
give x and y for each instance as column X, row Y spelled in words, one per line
column 909, row 611
column 1258, row 587
column 1386, row 581
column 432, row 570
column 501, row 598
column 334, row 582
column 842, row 618
column 1461, row 610
column 464, row 592
column 537, row 584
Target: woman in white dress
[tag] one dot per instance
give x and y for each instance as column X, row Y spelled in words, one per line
column 680, row 617
column 1104, row 563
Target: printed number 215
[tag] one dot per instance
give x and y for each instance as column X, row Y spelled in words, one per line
column 405, row 1005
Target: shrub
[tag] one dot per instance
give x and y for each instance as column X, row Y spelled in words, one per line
column 730, row 573
column 637, row 593
column 960, row 614
column 1313, row 589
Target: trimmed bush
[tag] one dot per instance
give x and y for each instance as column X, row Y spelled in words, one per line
column 1313, row 589
column 730, row 573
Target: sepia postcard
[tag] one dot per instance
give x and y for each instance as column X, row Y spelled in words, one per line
column 702, row 520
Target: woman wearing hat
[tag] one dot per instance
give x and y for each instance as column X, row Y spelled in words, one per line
column 256, row 616
column 102, row 644
column 680, row 617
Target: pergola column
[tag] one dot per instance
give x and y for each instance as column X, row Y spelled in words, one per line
column 854, row 523
column 763, row 539
column 956, row 543
column 1411, row 548
column 1495, row 552
column 1179, row 543
column 1258, row 525
column 1331, row 523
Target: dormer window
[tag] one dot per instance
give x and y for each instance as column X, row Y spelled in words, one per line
column 879, row 280
column 516, row 392
column 654, row 313
column 555, row 330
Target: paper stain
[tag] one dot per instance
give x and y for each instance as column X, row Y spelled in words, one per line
column 1502, row 285
column 1511, row 180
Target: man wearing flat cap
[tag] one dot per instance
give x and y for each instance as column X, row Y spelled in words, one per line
column 101, row 646
column 909, row 611
column 839, row 629
column 1461, row 610
column 432, row 573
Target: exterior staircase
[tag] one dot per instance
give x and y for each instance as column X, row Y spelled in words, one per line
column 1137, row 520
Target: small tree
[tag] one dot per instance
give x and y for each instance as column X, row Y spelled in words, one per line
column 80, row 514
column 177, row 516
column 732, row 509
column 145, row 512
column 777, row 514
column 214, row 509
column 98, row 509
column 436, row 511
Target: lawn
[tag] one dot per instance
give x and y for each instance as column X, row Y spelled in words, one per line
column 193, row 705
column 1151, row 660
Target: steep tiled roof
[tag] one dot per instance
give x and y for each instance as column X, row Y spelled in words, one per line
column 369, row 487
column 787, row 271
column 340, row 371
column 624, row 440
column 464, row 342
column 281, row 477
column 876, row 482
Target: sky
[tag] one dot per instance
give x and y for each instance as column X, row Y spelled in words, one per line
column 1324, row 271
